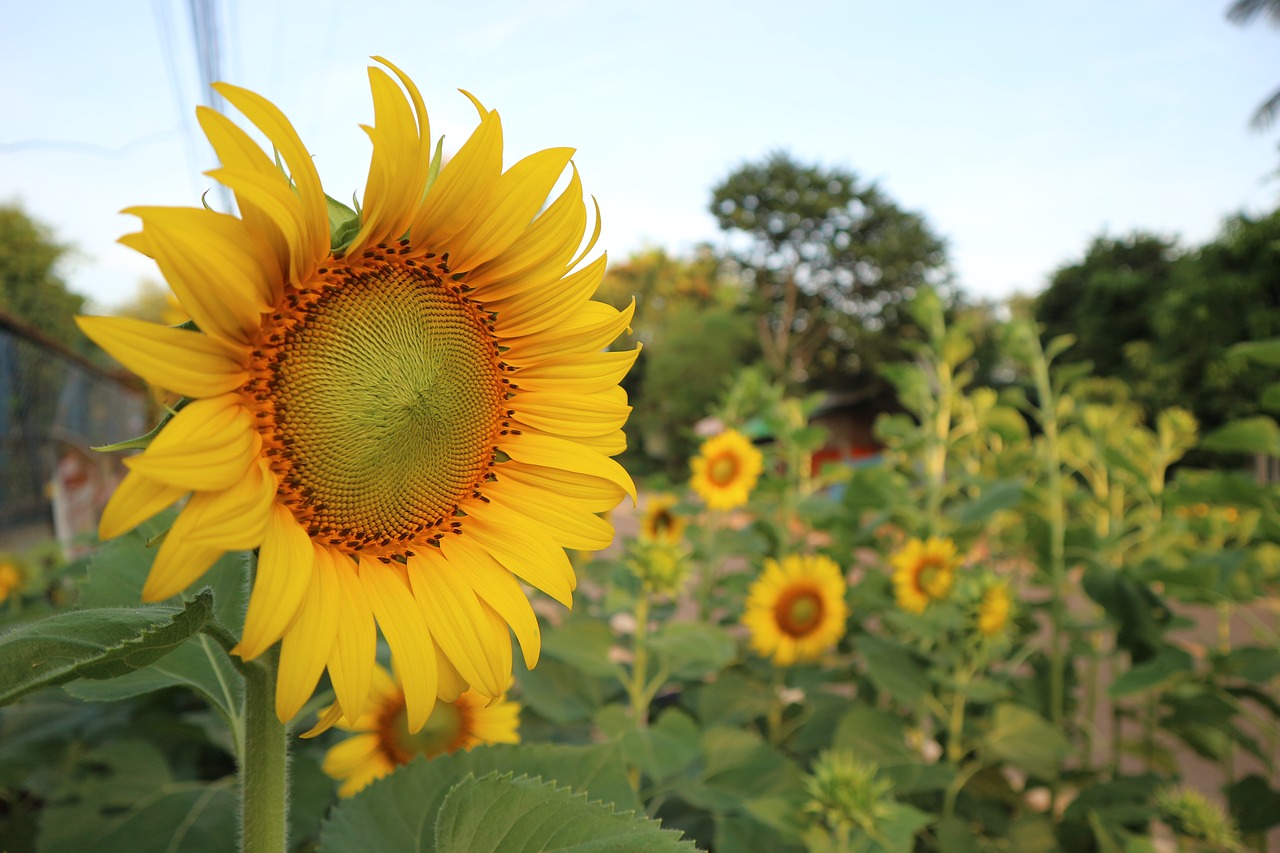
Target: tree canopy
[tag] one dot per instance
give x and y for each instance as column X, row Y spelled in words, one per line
column 31, row 288
column 829, row 261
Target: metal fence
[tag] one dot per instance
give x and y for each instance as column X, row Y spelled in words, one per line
column 55, row 405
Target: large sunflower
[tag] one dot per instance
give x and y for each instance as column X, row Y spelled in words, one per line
column 796, row 609
column 382, row 740
column 923, row 571
column 405, row 411
column 726, row 469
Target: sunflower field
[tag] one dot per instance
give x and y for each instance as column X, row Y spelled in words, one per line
column 1034, row 620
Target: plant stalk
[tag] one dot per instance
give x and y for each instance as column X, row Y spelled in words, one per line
column 264, row 776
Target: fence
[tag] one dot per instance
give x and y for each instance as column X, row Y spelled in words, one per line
column 55, row 405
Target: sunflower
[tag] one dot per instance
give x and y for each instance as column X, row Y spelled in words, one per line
column 796, row 609
column 993, row 610
column 726, row 469
column 382, row 739
column 659, row 523
column 923, row 572
column 10, row 579
column 404, row 409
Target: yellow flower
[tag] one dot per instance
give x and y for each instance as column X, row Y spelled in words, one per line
column 659, row 523
column 923, row 572
column 796, row 609
column 383, row 740
column 726, row 469
column 10, row 579
column 993, row 610
column 404, row 415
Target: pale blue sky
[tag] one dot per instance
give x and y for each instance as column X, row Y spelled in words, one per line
column 1020, row 130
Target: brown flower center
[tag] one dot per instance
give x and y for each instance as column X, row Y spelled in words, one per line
column 799, row 611
column 379, row 393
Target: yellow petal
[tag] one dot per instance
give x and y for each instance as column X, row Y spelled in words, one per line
column 462, row 189
column 354, row 647
column 211, row 524
column 273, row 123
column 547, row 307
column 450, row 607
column 273, row 197
column 590, row 493
column 407, row 634
column 238, row 152
column 579, row 374
column 285, row 568
column 571, row 527
column 215, row 266
column 397, row 170
column 593, row 327
column 573, row 414
column 539, row 255
column 350, row 755
column 552, row 452
column 518, row 196
column 138, row 242
column 450, row 685
column 498, row 589
column 188, row 363
column 531, row 558
column 136, row 499
column 208, row 446
column 309, row 640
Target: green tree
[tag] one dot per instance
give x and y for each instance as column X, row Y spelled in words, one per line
column 1108, row 299
column 30, row 287
column 829, row 261
column 696, row 336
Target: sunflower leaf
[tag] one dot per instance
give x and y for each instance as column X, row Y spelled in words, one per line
column 526, row 814
column 98, row 644
column 399, row 811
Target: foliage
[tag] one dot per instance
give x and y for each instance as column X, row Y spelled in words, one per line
column 830, row 260
column 31, row 288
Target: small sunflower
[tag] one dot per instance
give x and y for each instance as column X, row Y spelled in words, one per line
column 796, row 609
column 659, row 523
column 404, row 409
column 993, row 610
column 923, row 572
column 382, row 740
column 10, row 579
column 726, row 469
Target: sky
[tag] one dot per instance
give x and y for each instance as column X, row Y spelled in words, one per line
column 1019, row 130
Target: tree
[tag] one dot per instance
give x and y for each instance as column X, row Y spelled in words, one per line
column 1108, row 299
column 696, row 334
column 829, row 261
column 30, row 287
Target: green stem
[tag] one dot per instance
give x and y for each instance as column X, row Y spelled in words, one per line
column 264, row 779
column 774, row 719
column 707, row 581
column 638, row 688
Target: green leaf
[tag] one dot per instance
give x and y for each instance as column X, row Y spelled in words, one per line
column 1258, row 434
column 738, row 766
column 400, row 810
column 733, row 698
column 558, row 691
column 893, row 669
column 1270, row 399
column 1025, row 739
column 664, row 749
column 873, row 735
column 1263, row 352
column 501, row 813
column 584, row 644
column 1255, row 805
column 121, row 798
column 693, row 650
column 1252, row 663
column 999, row 495
column 1168, row 663
column 103, row 643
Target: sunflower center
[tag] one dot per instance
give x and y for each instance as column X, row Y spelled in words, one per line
column 723, row 469
column 379, row 394
column 444, row 732
column 933, row 579
column 798, row 612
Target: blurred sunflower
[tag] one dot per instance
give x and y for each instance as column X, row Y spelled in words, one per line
column 659, row 523
column 923, row 572
column 726, row 469
column 10, row 579
column 404, row 409
column 993, row 610
column 796, row 610
column 382, row 739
